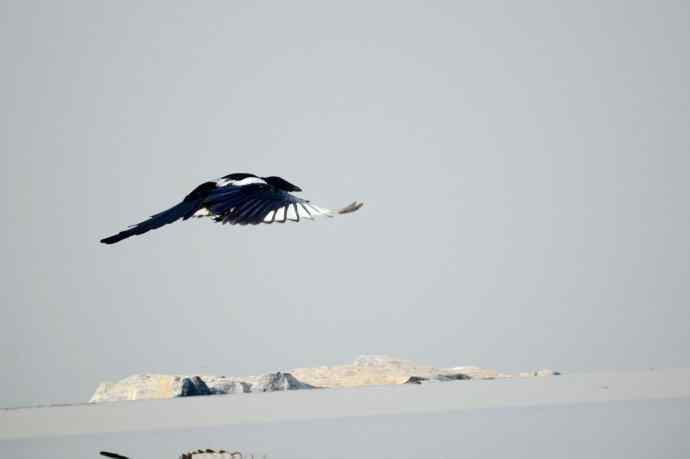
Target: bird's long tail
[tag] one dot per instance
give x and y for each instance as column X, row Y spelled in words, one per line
column 182, row 210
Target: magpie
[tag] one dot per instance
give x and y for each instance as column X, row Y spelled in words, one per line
column 238, row 199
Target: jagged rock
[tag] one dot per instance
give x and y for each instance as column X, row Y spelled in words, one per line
column 224, row 386
column 547, row 372
column 278, row 381
column 416, row 380
column 543, row 372
column 148, row 387
column 453, row 377
column 437, row 378
column 364, row 371
column 194, row 386
column 476, row 372
column 265, row 383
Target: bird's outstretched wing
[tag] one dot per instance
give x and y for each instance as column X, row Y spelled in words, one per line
column 256, row 203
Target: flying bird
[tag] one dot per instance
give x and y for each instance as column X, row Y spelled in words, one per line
column 238, row 199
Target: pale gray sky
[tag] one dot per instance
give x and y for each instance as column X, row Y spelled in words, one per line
column 524, row 169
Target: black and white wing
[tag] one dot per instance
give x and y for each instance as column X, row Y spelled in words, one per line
column 257, row 203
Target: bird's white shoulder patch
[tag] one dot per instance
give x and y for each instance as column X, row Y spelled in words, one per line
column 203, row 212
column 243, row 182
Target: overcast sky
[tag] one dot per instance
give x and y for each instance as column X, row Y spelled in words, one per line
column 524, row 168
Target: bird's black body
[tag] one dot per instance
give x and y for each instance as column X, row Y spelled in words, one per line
column 238, row 199
column 201, row 191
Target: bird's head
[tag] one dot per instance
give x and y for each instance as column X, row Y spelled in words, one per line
column 281, row 184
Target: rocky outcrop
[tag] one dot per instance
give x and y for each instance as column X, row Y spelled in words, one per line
column 270, row 382
column 364, row 371
column 437, row 378
column 277, row 382
column 544, row 372
column 194, row 386
column 149, row 387
column 222, row 385
column 380, row 369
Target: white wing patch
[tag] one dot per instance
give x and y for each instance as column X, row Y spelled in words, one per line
column 292, row 214
column 304, row 212
column 319, row 210
column 280, row 215
column 299, row 211
column 270, row 216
